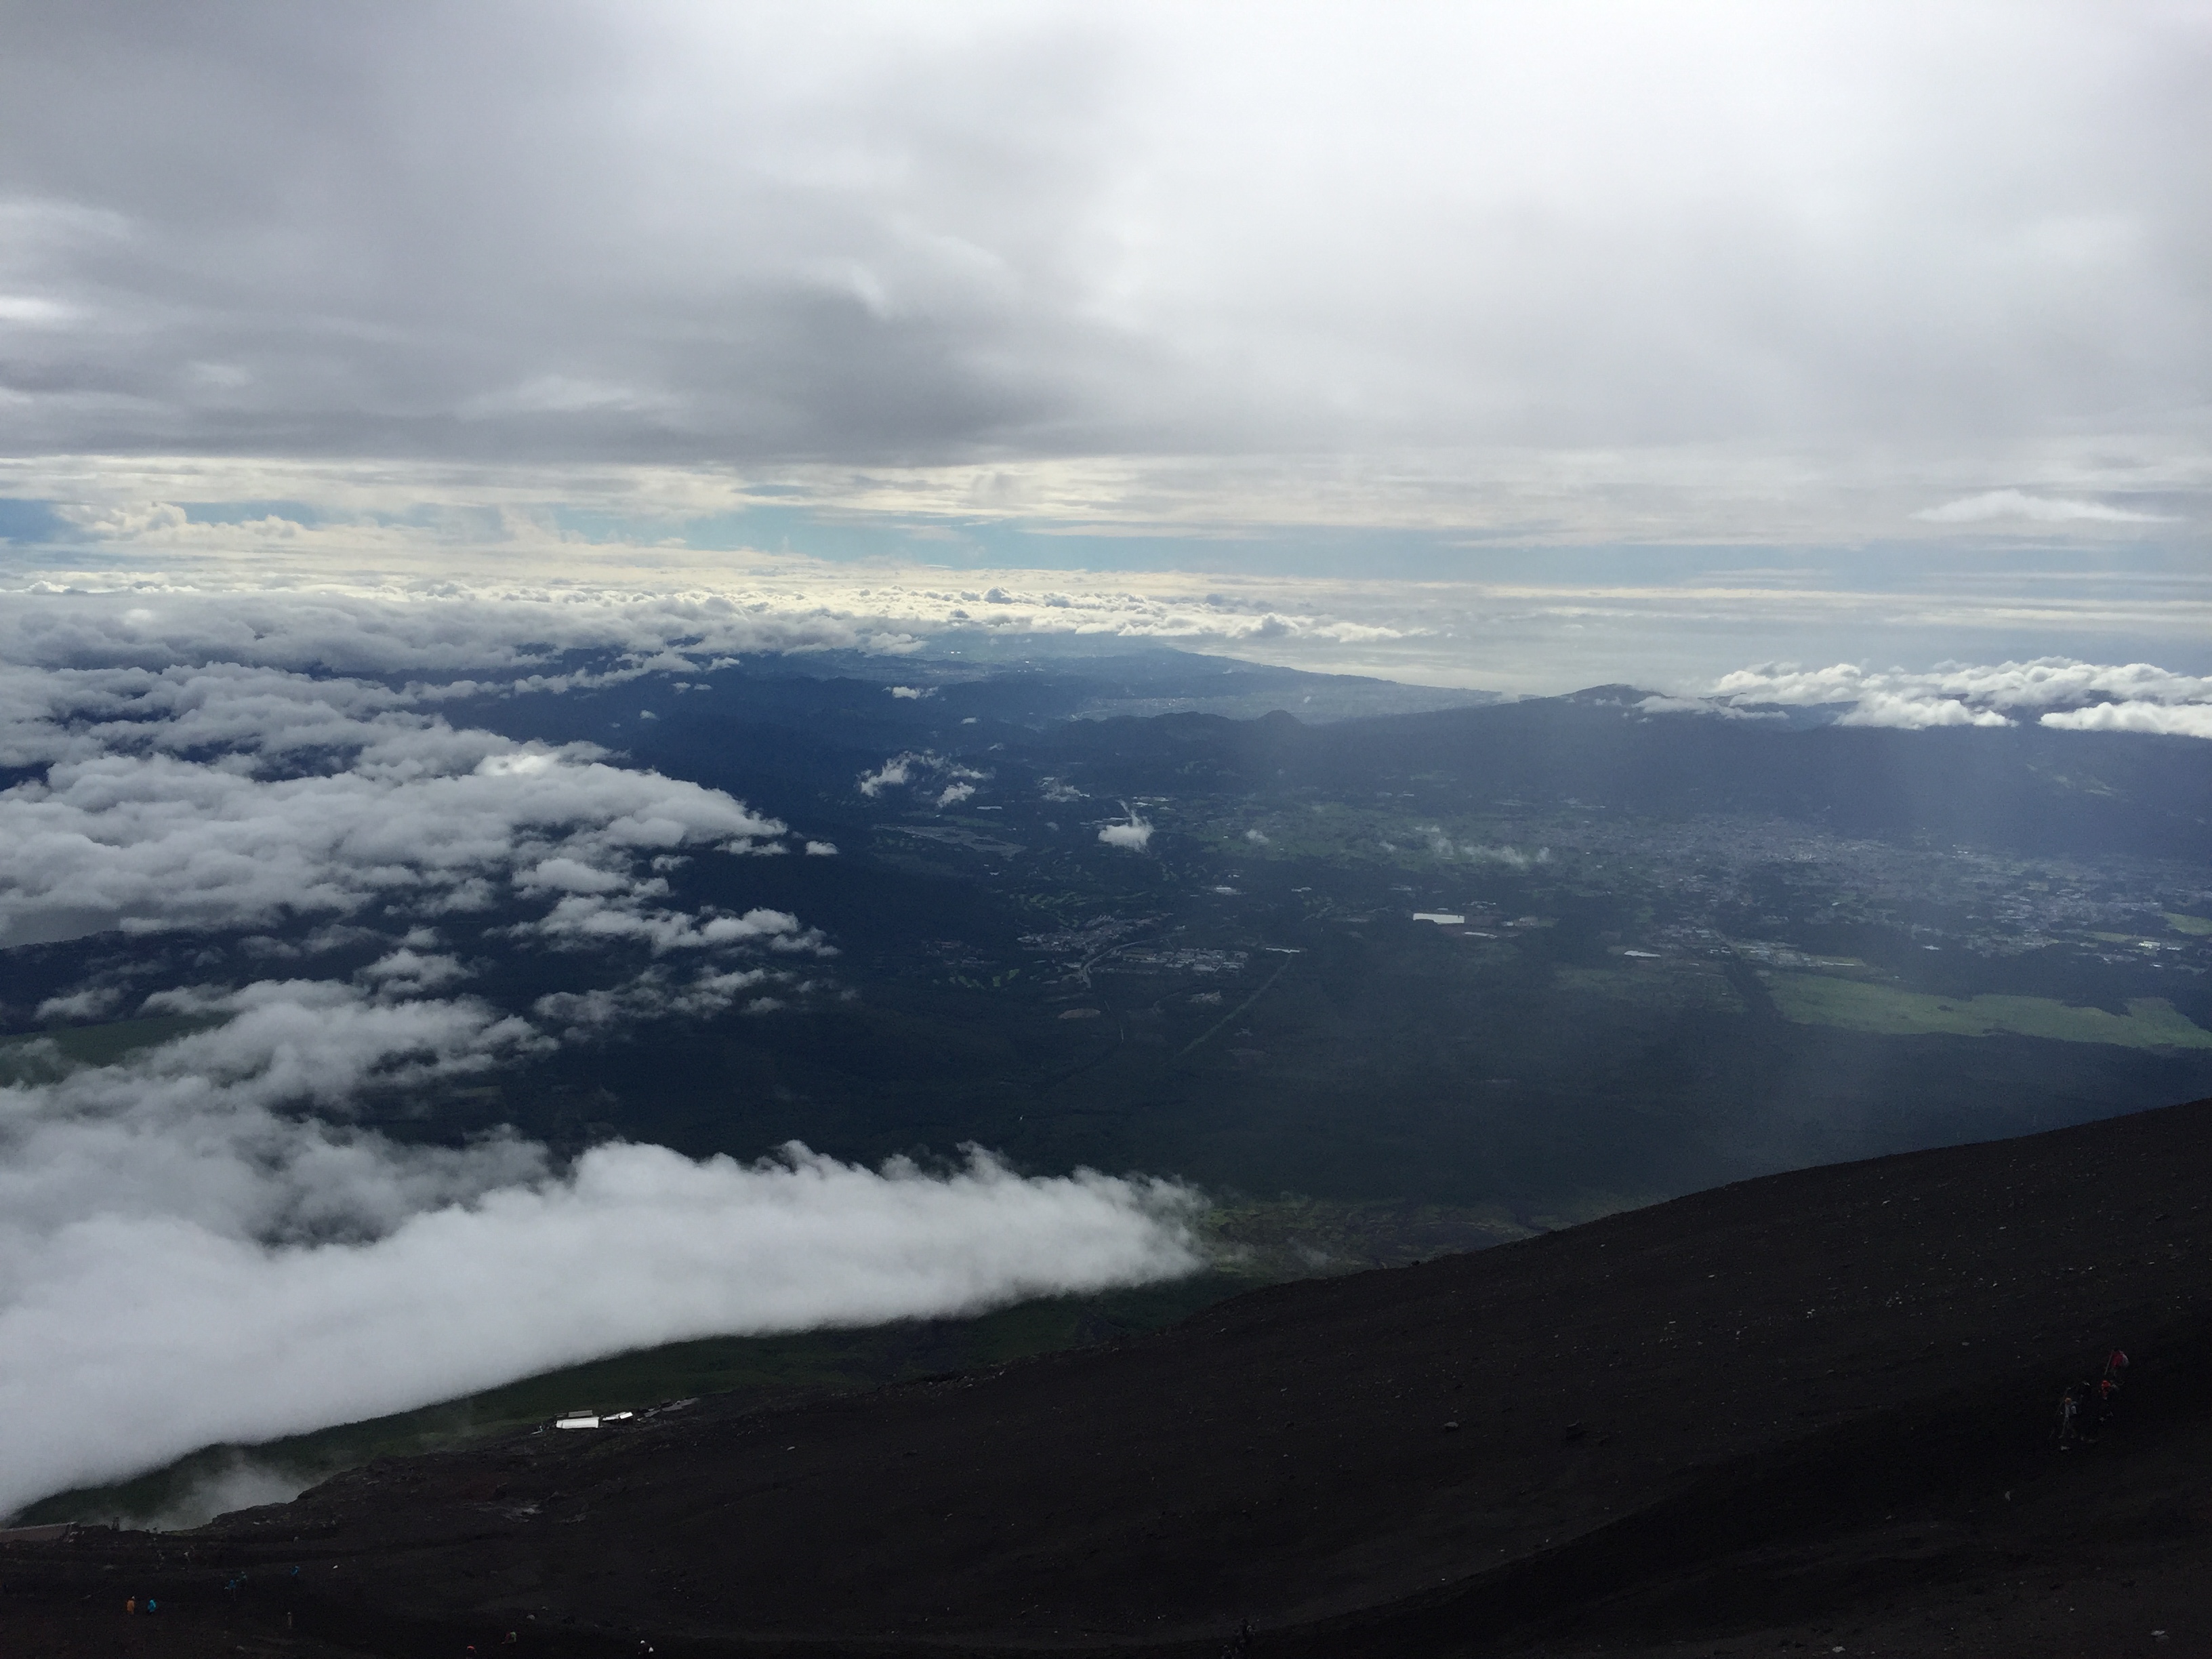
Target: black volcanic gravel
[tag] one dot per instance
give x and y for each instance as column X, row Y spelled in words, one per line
column 1818, row 1408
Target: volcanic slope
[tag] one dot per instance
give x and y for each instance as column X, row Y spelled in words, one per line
column 1817, row 1408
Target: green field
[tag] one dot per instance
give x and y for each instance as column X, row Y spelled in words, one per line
column 1673, row 983
column 2195, row 927
column 1856, row 1005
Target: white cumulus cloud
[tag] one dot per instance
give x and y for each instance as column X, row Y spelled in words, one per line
column 894, row 773
column 1133, row 836
column 2054, row 691
column 2185, row 721
column 955, row 782
column 223, row 795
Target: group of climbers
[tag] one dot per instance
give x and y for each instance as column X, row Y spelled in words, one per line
column 2086, row 1407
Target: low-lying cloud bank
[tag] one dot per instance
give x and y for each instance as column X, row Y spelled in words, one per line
column 501, row 634
column 255, row 819
column 487, row 612
column 2058, row 692
column 195, row 1245
column 130, row 1338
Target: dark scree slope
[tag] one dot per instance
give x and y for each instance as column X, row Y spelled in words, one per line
column 1815, row 1407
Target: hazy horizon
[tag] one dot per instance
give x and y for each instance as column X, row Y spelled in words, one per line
column 1611, row 342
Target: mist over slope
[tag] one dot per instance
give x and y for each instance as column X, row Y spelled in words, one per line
column 1813, row 1409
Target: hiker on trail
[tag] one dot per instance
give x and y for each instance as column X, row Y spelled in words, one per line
column 2103, row 1400
column 131, row 1604
column 2069, row 1411
column 2094, row 1402
column 2114, row 1365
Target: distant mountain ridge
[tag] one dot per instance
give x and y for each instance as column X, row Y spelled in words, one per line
column 2024, row 786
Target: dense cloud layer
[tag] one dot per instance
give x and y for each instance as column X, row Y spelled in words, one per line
column 496, row 635
column 126, row 833
column 197, row 1241
column 436, row 605
column 134, row 1333
column 975, row 231
column 499, row 637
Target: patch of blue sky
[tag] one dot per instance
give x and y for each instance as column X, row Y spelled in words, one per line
column 844, row 536
column 299, row 513
column 34, row 524
column 1902, row 565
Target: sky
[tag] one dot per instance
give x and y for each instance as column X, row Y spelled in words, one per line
column 1650, row 341
column 357, row 360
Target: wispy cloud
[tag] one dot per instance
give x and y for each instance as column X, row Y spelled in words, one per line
column 1996, row 504
column 1660, row 704
column 953, row 782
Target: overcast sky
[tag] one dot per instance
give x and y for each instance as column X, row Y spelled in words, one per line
column 1275, row 288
